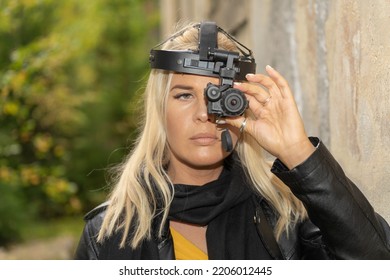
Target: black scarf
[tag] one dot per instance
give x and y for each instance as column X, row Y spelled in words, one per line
column 227, row 207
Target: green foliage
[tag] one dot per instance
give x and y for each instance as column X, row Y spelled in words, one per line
column 69, row 75
column 12, row 216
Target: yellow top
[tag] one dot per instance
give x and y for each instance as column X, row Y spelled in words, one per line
column 184, row 249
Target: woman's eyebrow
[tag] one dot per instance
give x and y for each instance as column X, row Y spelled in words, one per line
column 179, row 86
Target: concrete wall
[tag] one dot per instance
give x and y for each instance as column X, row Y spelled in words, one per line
column 336, row 56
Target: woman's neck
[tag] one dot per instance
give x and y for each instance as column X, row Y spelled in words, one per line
column 182, row 174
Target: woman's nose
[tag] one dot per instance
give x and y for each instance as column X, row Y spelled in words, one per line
column 202, row 114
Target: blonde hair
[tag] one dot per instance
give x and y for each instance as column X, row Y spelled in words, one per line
column 142, row 189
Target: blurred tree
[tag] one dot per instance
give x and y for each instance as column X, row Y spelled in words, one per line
column 69, row 75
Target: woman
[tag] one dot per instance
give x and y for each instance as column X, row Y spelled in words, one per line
column 180, row 195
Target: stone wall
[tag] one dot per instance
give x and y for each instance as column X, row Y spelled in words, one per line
column 336, row 56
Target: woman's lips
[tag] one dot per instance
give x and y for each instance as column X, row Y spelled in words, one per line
column 204, row 139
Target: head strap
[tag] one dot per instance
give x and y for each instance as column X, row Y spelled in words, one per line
column 208, row 60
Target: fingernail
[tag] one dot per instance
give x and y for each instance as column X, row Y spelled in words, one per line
column 269, row 67
column 237, row 83
column 249, row 75
column 220, row 121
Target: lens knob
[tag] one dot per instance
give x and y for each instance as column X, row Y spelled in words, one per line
column 212, row 92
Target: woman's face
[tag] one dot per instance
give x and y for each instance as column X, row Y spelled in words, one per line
column 193, row 137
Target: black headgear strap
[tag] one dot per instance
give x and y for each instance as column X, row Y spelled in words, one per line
column 208, row 60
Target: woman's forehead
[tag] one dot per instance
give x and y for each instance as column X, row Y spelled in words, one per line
column 190, row 80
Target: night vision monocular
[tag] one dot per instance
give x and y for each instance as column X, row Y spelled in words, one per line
column 222, row 100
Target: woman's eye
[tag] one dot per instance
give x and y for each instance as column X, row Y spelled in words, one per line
column 183, row 96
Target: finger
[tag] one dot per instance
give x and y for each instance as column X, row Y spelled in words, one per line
column 279, row 80
column 254, row 90
column 256, row 107
column 242, row 123
column 233, row 121
column 266, row 82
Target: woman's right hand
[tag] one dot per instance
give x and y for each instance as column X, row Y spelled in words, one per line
column 278, row 126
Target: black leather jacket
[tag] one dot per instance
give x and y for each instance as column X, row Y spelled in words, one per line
column 342, row 224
